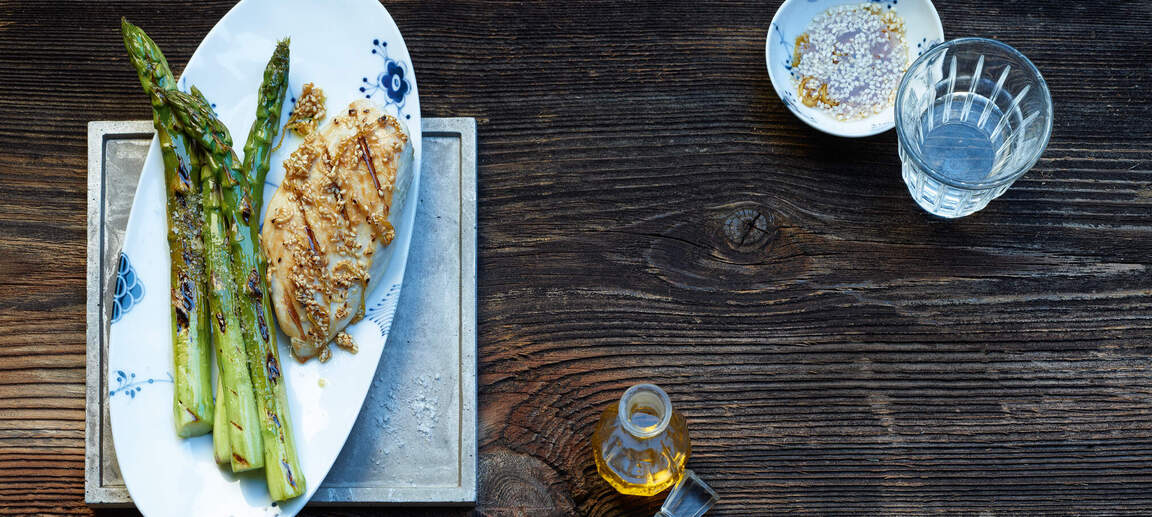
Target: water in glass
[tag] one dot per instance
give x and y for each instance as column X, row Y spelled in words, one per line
column 972, row 116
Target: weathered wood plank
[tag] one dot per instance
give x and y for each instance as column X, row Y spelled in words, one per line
column 650, row 212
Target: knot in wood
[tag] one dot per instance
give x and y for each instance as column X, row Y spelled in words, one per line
column 747, row 227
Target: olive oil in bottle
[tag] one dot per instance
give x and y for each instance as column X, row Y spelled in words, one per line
column 641, row 444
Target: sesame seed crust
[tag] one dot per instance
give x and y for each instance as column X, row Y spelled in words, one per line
column 329, row 218
column 308, row 112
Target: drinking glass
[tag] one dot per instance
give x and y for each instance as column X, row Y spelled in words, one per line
column 972, row 116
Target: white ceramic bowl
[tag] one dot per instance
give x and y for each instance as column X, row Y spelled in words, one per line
column 922, row 28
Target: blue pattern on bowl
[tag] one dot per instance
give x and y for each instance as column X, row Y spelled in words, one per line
column 129, row 288
column 925, row 45
column 791, row 19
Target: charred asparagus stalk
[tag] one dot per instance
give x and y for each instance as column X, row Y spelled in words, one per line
column 221, row 448
column 192, row 354
column 269, row 106
column 282, row 466
column 244, row 437
column 287, row 479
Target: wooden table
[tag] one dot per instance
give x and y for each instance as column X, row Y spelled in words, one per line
column 649, row 211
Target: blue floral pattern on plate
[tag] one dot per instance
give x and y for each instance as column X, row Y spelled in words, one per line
column 129, row 288
column 392, row 81
column 126, row 384
column 383, row 311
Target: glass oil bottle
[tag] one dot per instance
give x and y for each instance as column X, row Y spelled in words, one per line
column 641, row 444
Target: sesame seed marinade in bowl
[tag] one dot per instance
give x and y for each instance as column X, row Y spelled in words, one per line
column 836, row 63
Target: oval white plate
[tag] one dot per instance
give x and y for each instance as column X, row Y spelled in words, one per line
column 922, row 31
column 366, row 57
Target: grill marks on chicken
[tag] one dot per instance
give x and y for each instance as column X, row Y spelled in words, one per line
column 328, row 220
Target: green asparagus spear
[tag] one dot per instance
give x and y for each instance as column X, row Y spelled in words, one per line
column 191, row 351
column 258, row 148
column 199, row 94
column 282, row 466
column 244, row 437
column 221, row 449
column 287, row 481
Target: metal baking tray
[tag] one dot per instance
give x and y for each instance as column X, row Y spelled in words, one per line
column 402, row 449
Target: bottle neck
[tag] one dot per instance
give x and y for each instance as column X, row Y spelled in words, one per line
column 645, row 411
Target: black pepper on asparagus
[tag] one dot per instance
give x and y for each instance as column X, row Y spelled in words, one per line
column 221, row 448
column 191, row 351
column 285, row 478
column 244, row 438
column 282, row 466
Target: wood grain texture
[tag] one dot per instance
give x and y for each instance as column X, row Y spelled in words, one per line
column 649, row 211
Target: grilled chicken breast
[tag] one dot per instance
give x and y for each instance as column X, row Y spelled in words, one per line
column 328, row 221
